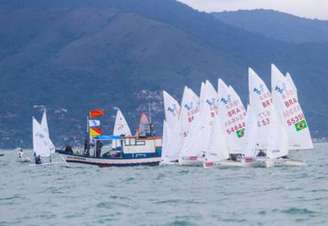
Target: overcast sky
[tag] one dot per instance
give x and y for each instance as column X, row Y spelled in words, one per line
column 305, row 8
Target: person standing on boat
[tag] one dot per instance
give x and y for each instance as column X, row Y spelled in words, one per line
column 86, row 147
column 98, row 148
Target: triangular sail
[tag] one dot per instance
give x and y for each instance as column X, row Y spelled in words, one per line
column 44, row 125
column 217, row 149
column 261, row 102
column 232, row 112
column 165, row 143
column 121, row 127
column 209, row 116
column 40, row 140
column 278, row 141
column 144, row 126
column 172, row 112
column 189, row 120
column 290, row 112
column 251, row 132
column 291, row 82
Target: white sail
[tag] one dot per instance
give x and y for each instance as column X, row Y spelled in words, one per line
column 261, row 102
column 291, row 82
column 290, row 112
column 250, row 147
column 44, row 125
column 121, row 127
column 232, row 112
column 189, row 112
column 189, row 119
column 40, row 140
column 217, row 149
column 209, row 120
column 172, row 113
column 278, row 141
column 194, row 142
column 164, row 143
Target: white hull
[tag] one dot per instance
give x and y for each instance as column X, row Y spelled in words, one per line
column 24, row 160
column 168, row 163
column 190, row 162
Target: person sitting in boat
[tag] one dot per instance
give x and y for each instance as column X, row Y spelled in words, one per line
column 38, row 159
column 68, row 149
column 20, row 153
column 261, row 151
column 284, row 157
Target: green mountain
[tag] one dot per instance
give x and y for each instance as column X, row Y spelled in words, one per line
column 74, row 55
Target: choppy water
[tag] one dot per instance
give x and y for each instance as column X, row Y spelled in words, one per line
column 87, row 195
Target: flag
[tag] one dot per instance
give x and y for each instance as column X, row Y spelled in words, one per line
column 240, row 133
column 94, row 123
column 96, row 113
column 301, row 125
column 94, row 132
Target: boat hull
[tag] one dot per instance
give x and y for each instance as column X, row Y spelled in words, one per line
column 110, row 162
column 191, row 161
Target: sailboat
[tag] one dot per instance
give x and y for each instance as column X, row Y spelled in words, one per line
column 286, row 101
column 44, row 125
column 271, row 136
column 189, row 119
column 232, row 113
column 170, row 153
column 41, row 146
column 189, row 113
column 216, row 148
column 121, row 128
column 142, row 149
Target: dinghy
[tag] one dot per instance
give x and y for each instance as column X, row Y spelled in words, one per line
column 189, row 119
column 21, row 156
column 290, row 112
column 270, row 137
column 41, row 145
column 232, row 115
column 172, row 137
column 215, row 145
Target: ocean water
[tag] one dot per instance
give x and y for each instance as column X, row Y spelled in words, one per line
column 171, row 195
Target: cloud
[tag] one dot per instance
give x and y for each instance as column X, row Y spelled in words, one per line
column 305, row 8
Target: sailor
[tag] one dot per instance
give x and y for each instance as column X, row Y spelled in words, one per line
column 98, row 148
column 86, row 147
column 20, row 153
column 68, row 149
column 38, row 159
column 261, row 151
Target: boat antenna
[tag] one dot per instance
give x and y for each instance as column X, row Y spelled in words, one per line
column 149, row 112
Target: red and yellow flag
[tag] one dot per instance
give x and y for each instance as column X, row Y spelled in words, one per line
column 96, row 113
column 94, row 132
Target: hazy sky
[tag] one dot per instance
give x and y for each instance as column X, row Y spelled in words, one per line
column 305, row 8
